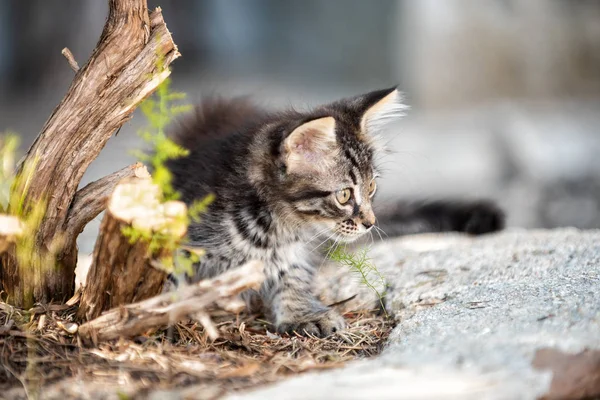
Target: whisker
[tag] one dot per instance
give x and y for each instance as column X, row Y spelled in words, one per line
column 332, row 247
column 378, row 230
column 329, row 237
column 318, row 234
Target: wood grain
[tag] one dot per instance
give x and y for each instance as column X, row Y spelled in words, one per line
column 130, row 60
column 169, row 308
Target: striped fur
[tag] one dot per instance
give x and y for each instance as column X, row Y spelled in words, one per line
column 278, row 179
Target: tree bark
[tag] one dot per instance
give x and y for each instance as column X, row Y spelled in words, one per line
column 123, row 270
column 130, row 60
column 169, row 308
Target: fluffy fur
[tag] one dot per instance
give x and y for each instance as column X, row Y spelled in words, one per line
column 285, row 182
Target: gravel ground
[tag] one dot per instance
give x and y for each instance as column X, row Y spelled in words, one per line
column 473, row 314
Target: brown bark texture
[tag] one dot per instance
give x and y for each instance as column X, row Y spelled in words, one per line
column 130, row 60
column 123, row 270
column 194, row 301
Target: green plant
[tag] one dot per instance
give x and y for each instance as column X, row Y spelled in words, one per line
column 159, row 111
column 13, row 190
column 9, row 144
column 359, row 263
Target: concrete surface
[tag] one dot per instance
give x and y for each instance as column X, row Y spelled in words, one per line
column 472, row 314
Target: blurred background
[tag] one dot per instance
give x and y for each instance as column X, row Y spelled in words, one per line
column 504, row 94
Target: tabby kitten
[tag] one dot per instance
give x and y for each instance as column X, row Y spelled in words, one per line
column 284, row 182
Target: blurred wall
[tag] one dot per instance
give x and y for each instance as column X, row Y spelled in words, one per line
column 504, row 94
column 444, row 53
column 461, row 52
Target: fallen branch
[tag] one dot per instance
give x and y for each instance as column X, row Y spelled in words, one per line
column 122, row 270
column 172, row 307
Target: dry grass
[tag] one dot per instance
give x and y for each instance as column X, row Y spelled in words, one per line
column 38, row 355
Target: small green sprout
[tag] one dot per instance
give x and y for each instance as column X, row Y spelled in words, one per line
column 159, row 111
column 13, row 191
column 9, row 143
column 359, row 262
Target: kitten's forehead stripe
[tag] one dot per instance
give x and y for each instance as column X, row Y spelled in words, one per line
column 351, row 157
column 353, row 176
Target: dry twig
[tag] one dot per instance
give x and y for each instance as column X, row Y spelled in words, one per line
column 182, row 359
column 172, row 307
column 70, row 59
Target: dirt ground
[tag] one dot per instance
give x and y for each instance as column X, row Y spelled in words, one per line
column 40, row 358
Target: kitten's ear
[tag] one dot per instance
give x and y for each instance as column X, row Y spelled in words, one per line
column 379, row 108
column 311, row 145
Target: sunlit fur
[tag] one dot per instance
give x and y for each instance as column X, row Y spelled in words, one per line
column 275, row 176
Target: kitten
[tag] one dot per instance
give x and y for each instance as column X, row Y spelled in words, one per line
column 284, row 180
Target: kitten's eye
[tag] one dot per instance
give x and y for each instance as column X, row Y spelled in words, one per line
column 342, row 196
column 372, row 187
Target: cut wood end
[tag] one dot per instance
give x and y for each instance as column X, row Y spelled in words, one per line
column 149, row 87
column 157, row 11
column 157, row 20
column 137, row 202
column 10, row 228
column 140, row 171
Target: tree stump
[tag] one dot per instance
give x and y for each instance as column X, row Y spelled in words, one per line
column 129, row 62
column 137, row 231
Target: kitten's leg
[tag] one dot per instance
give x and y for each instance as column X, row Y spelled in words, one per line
column 474, row 217
column 288, row 294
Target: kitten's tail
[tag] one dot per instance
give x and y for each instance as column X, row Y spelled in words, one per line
column 473, row 217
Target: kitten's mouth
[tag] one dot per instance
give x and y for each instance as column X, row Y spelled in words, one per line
column 348, row 231
column 344, row 232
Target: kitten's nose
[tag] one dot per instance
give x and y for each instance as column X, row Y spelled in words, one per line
column 368, row 218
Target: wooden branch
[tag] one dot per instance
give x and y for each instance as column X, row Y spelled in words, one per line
column 122, row 269
column 10, row 229
column 70, row 59
column 129, row 62
column 92, row 199
column 172, row 307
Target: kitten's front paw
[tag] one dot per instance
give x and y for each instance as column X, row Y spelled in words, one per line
column 482, row 217
column 320, row 325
